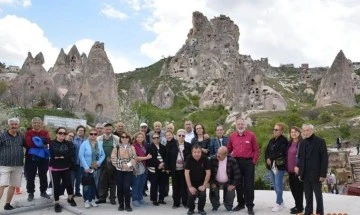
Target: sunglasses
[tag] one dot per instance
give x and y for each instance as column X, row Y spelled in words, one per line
column 62, row 133
column 123, row 137
column 181, row 135
column 93, row 134
column 155, row 138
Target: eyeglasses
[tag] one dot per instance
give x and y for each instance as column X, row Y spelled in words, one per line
column 155, row 138
column 62, row 133
column 181, row 135
column 123, row 137
column 93, row 134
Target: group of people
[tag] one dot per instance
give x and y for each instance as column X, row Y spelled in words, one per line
column 116, row 164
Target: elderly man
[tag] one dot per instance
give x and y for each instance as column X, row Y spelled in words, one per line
column 119, row 128
column 33, row 163
column 107, row 180
column 78, row 140
column 158, row 129
column 145, row 129
column 11, row 160
column 189, row 135
column 224, row 173
column 312, row 168
column 245, row 149
column 197, row 176
column 99, row 128
column 218, row 141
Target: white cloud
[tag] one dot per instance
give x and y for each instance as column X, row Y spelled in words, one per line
column 134, row 4
column 23, row 3
column 19, row 36
column 83, row 45
column 285, row 31
column 111, row 12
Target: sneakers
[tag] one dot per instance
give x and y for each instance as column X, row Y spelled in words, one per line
column 190, row 212
column 277, row 207
column 57, row 208
column 72, row 202
column 8, row 207
column 136, row 203
column 93, row 204
column 30, row 197
column 44, row 195
column 87, row 204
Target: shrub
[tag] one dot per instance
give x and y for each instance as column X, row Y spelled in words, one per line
column 325, row 117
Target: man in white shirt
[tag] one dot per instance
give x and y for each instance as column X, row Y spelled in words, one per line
column 189, row 131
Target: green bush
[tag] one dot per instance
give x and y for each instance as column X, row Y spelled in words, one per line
column 3, row 87
column 90, row 118
column 325, row 117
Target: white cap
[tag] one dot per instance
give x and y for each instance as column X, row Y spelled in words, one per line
column 143, row 124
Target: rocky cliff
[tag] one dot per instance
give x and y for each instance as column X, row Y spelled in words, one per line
column 337, row 86
column 210, row 57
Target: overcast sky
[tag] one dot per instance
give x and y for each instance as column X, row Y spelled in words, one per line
column 137, row 33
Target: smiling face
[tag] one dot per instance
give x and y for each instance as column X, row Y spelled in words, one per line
column 107, row 130
column 36, row 124
column 240, row 125
column 140, row 138
column 277, row 131
column 93, row 134
column 13, row 126
column 61, row 134
column 169, row 136
column 196, row 153
column 294, row 134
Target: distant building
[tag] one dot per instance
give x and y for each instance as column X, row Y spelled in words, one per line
column 289, row 65
column 304, row 67
column 356, row 65
column 14, row 69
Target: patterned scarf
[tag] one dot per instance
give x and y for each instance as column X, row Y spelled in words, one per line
column 94, row 153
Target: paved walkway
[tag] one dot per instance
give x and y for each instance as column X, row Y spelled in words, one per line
column 264, row 201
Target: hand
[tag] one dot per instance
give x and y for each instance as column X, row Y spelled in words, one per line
column 94, row 165
column 88, row 170
column 202, row 188
column 321, row 179
column 167, row 171
column 206, row 136
column 300, row 178
column 231, row 187
column 268, row 161
column 296, row 169
column 192, row 190
column 205, row 151
column 125, row 167
column 149, row 156
column 213, row 186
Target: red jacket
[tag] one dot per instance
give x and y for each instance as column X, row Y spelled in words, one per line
column 244, row 146
column 43, row 134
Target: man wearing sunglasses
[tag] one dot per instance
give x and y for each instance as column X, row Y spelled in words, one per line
column 35, row 164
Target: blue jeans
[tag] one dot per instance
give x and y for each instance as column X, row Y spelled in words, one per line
column 138, row 186
column 76, row 178
column 277, row 181
column 89, row 192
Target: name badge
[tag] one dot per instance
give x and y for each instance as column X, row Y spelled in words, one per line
column 247, row 141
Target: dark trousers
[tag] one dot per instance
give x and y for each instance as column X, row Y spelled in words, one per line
column 158, row 183
column 245, row 190
column 311, row 187
column 179, row 188
column 123, row 183
column 200, row 194
column 107, row 181
column 32, row 167
column 297, row 190
column 76, row 179
column 62, row 179
column 228, row 195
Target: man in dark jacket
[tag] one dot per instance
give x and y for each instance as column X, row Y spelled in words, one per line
column 224, row 173
column 218, row 141
column 312, row 168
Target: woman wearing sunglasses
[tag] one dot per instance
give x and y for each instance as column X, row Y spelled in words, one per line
column 156, row 167
column 123, row 158
column 61, row 160
column 178, row 151
column 91, row 155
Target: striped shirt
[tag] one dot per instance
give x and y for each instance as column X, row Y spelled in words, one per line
column 11, row 149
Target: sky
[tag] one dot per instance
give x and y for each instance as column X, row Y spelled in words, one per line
column 137, row 33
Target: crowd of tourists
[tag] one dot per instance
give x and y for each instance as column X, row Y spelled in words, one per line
column 111, row 164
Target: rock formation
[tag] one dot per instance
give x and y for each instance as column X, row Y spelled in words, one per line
column 96, row 91
column 137, row 93
column 211, row 56
column 34, row 87
column 163, row 97
column 337, row 86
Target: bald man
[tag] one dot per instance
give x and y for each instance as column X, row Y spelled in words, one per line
column 226, row 174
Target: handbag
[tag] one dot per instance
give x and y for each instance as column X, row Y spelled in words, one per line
column 280, row 161
column 87, row 179
column 139, row 168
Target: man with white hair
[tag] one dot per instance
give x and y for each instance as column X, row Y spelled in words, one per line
column 11, row 160
column 312, row 168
